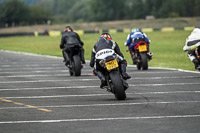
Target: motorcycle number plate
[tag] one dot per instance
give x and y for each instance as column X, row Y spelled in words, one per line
column 142, row 48
column 111, row 64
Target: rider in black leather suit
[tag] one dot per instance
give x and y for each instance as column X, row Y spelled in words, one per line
column 70, row 37
column 105, row 42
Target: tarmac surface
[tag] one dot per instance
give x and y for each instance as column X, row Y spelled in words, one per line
column 37, row 95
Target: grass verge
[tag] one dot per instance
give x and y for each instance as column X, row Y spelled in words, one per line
column 166, row 47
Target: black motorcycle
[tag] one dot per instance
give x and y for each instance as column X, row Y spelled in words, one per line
column 115, row 83
column 75, row 65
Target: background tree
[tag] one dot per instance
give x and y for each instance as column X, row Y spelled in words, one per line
column 135, row 9
column 62, row 11
column 39, row 15
column 82, row 12
column 104, row 10
column 1, row 14
column 197, row 8
column 14, row 12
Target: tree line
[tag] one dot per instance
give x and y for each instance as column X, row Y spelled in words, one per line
column 28, row 12
column 102, row 10
column 15, row 12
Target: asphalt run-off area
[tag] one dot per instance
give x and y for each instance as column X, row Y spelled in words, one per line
column 37, row 95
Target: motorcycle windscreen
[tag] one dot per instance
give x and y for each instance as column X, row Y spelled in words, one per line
column 142, row 48
column 104, row 53
column 111, row 64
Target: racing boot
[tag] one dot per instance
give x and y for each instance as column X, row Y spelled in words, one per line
column 123, row 71
column 101, row 77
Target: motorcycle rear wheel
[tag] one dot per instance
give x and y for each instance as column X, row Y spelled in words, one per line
column 118, row 87
column 76, row 66
column 144, row 61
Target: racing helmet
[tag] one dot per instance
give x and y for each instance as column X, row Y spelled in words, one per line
column 106, row 36
column 68, row 29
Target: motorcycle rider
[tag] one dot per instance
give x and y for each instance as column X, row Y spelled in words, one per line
column 133, row 38
column 105, row 42
column 70, row 37
column 193, row 42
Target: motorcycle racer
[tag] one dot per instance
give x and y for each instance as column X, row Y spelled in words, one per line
column 192, row 45
column 133, row 38
column 105, row 42
column 70, row 38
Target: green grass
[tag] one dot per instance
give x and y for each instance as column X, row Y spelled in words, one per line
column 38, row 45
column 166, row 47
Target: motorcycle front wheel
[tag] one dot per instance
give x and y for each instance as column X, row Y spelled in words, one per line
column 118, row 87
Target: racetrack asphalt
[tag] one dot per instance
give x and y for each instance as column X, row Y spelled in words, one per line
column 37, row 95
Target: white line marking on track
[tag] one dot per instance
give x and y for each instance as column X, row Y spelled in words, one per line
column 168, row 92
column 42, row 71
column 183, row 77
column 32, row 68
column 90, row 70
column 44, row 75
column 14, row 72
column 19, row 76
column 41, row 68
column 167, row 84
column 151, row 72
column 101, row 119
column 47, row 88
column 97, row 105
column 61, row 75
column 77, row 87
column 34, row 81
column 94, row 95
column 31, row 65
column 56, row 96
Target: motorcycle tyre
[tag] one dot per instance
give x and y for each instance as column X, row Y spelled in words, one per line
column 144, row 61
column 118, row 88
column 76, row 66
